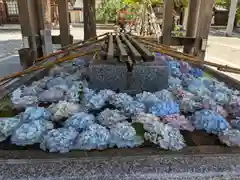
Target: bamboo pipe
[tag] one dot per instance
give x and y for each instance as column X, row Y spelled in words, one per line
column 83, row 41
column 35, row 68
column 153, row 41
column 191, row 59
column 65, row 48
column 89, row 42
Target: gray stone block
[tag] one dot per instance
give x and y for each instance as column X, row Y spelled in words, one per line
column 107, row 76
column 147, row 76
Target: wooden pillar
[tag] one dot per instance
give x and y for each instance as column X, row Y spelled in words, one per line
column 167, row 22
column 45, row 26
column 29, row 20
column 204, row 23
column 64, row 22
column 231, row 17
column 192, row 21
column 44, row 7
column 89, row 16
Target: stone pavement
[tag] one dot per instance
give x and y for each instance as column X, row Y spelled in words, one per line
column 150, row 167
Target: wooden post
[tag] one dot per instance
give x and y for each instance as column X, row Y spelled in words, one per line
column 204, row 23
column 29, row 20
column 231, row 17
column 192, row 22
column 44, row 7
column 45, row 26
column 89, row 16
column 167, row 21
column 64, row 22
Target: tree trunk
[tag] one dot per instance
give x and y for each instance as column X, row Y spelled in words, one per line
column 89, row 16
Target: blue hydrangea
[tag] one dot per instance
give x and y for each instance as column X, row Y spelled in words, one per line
column 196, row 72
column 58, row 81
column 164, row 95
column 52, row 95
column 188, row 105
column 35, row 113
column 99, row 100
column 33, row 90
column 187, row 79
column 134, row 107
column 110, row 117
column 164, row 108
column 209, row 121
column 59, row 140
column 20, row 101
column 197, row 88
column 149, row 99
column 31, row 132
column 95, row 137
column 80, row 121
column 230, row 137
column 174, row 82
column 8, row 126
column 235, row 124
column 120, row 100
column 123, row 135
column 220, row 98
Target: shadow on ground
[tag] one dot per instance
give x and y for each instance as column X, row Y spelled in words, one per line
column 10, row 47
column 9, row 65
column 222, row 33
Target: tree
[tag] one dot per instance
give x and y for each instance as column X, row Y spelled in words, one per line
column 89, row 16
column 109, row 9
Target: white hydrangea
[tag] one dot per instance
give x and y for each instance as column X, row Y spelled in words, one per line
column 64, row 109
column 159, row 133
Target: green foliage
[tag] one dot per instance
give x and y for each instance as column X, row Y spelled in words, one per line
column 80, row 93
column 6, row 108
column 223, row 3
column 108, row 10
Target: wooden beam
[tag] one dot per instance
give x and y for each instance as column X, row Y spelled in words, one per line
column 204, row 23
column 110, row 53
column 192, row 22
column 64, row 22
column 122, row 52
column 135, row 55
column 167, row 21
column 147, row 55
